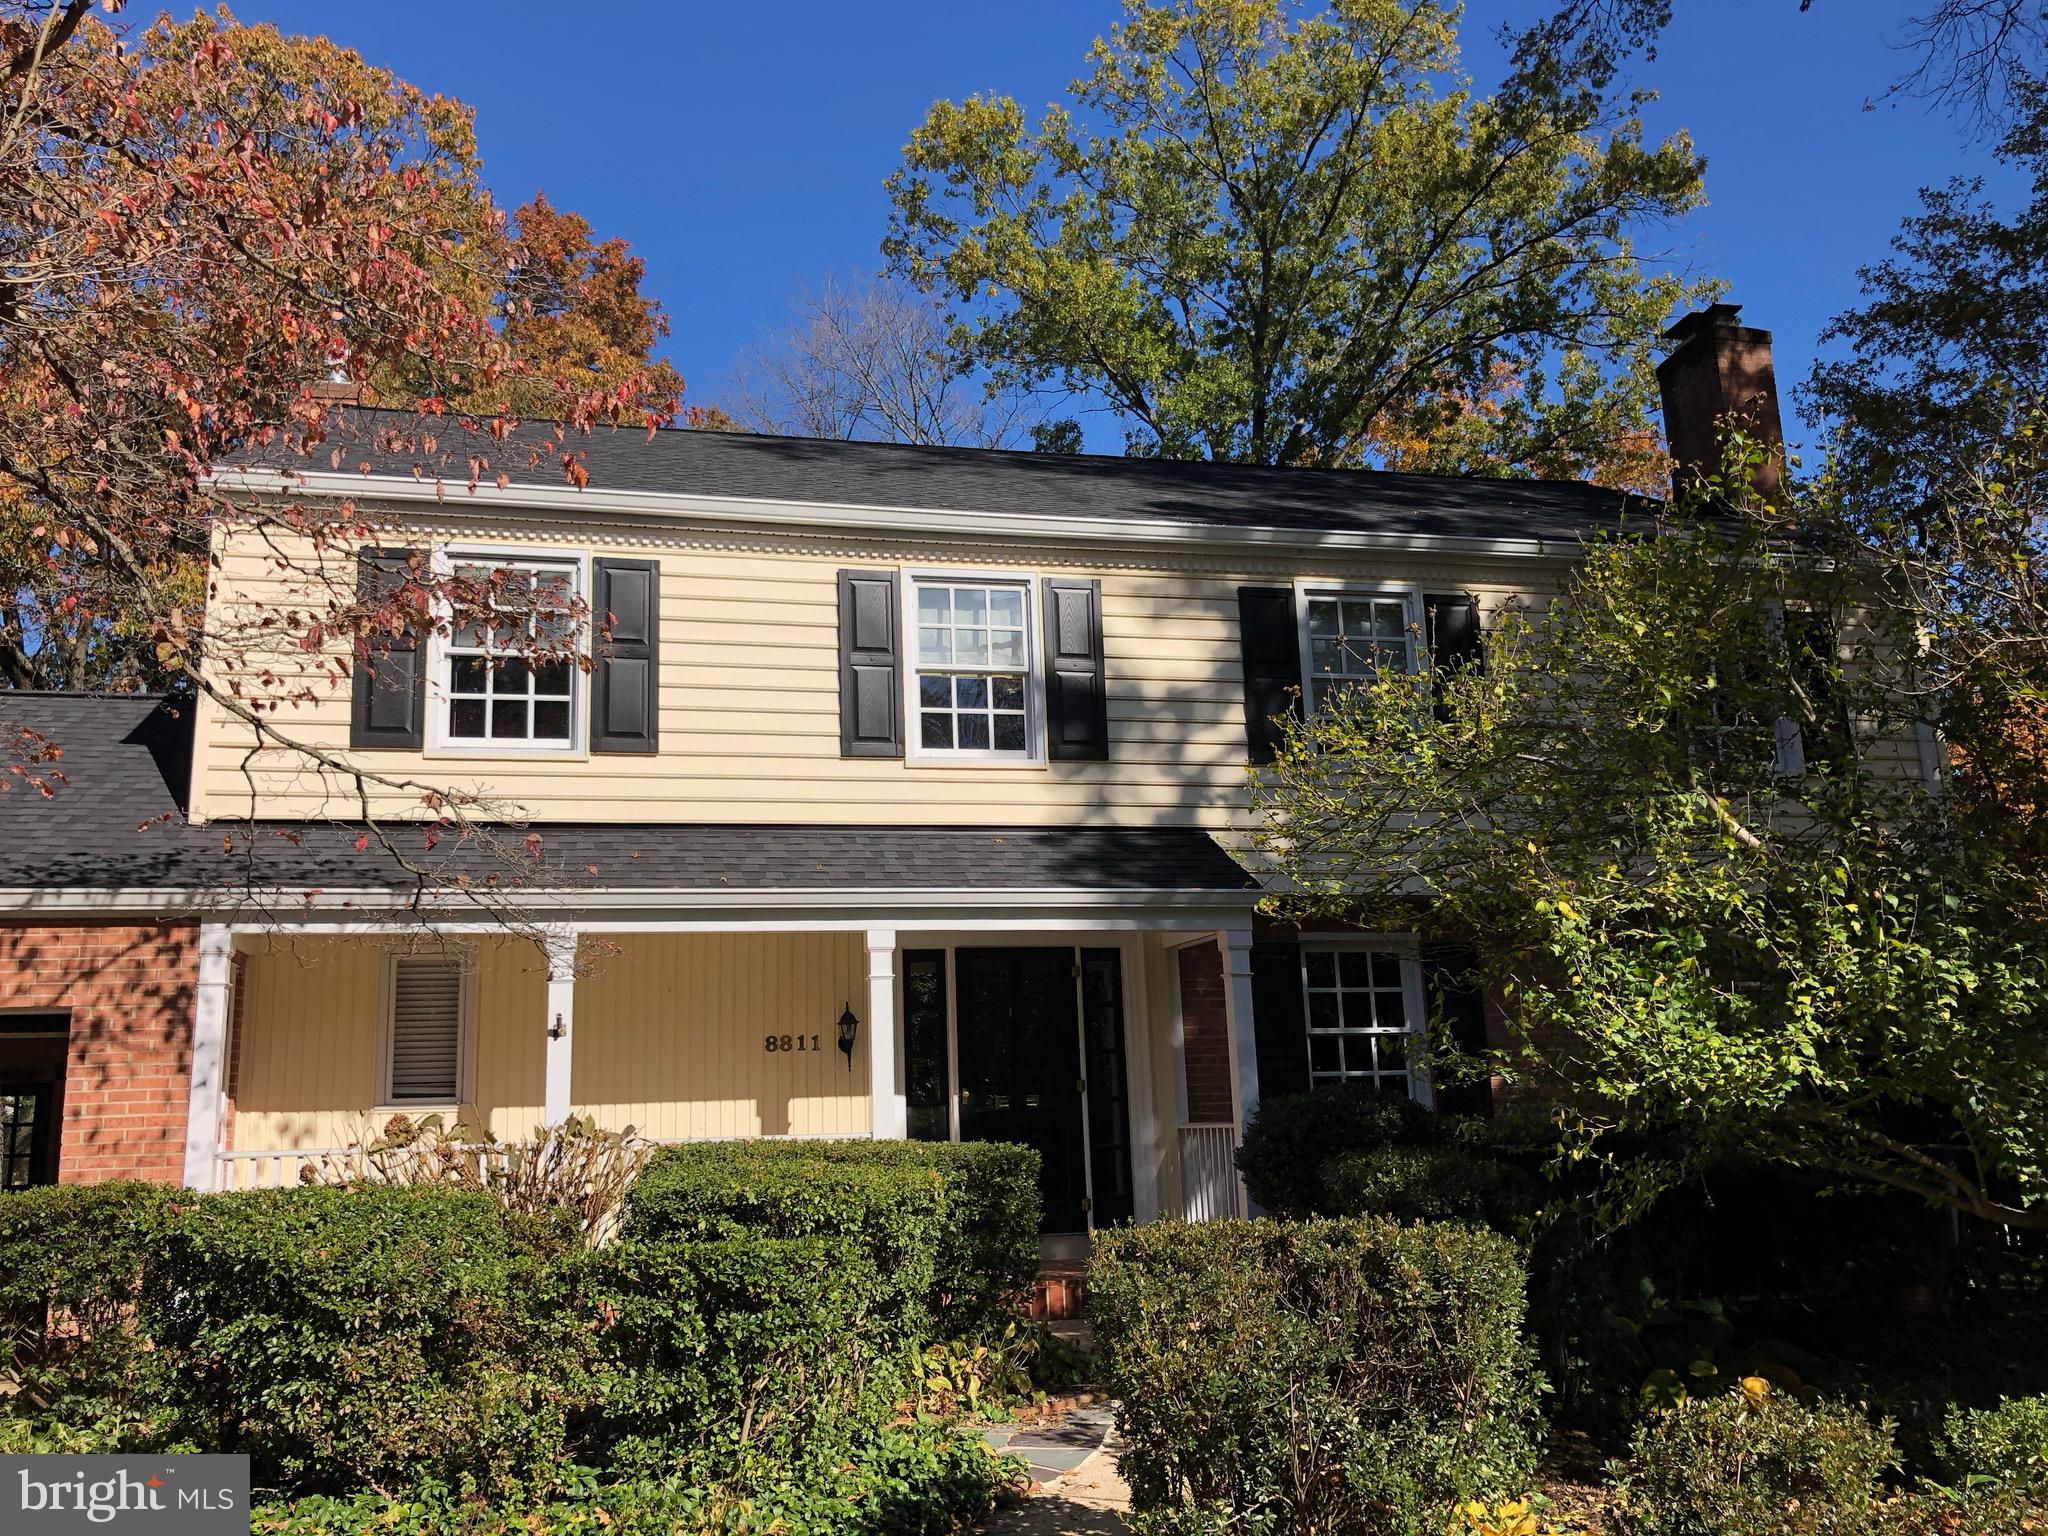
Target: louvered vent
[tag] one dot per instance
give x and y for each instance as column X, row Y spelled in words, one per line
column 426, row 1029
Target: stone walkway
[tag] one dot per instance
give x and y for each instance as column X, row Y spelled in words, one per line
column 1075, row 1489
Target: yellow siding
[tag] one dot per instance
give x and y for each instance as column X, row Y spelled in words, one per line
column 311, row 1010
column 668, row 1038
column 749, row 709
column 670, row 1032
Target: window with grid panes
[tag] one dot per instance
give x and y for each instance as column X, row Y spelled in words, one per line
column 973, row 647
column 1353, row 637
column 1359, row 1030
column 497, row 694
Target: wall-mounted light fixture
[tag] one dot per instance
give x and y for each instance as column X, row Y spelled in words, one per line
column 849, row 1026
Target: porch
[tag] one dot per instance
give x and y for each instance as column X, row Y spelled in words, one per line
column 1119, row 1045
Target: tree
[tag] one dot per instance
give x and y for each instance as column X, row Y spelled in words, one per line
column 870, row 361
column 1272, row 238
column 199, row 225
column 1937, row 429
column 1679, row 812
column 574, row 315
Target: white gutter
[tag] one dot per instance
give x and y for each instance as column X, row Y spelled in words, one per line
column 84, row 901
column 800, row 518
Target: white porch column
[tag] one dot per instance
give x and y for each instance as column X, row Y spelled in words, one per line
column 560, row 946
column 888, row 1110
column 1236, row 944
column 209, row 1075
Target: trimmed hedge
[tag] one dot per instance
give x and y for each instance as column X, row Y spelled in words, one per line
column 707, row 1345
column 1764, row 1465
column 71, row 1261
column 2003, row 1447
column 952, row 1230
column 1352, row 1376
column 372, row 1336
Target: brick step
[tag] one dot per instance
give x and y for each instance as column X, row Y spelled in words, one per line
column 1058, row 1292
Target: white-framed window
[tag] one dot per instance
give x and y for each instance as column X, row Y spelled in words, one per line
column 487, row 697
column 423, row 1059
column 1363, row 1007
column 1351, row 634
column 973, row 690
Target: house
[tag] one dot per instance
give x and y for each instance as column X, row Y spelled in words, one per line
column 901, row 802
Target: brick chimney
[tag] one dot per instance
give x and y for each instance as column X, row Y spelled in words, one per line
column 1719, row 368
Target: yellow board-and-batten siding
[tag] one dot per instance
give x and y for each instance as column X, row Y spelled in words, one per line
column 669, row 1038
column 749, row 687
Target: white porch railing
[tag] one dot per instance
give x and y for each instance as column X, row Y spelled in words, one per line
column 280, row 1168
column 1208, row 1172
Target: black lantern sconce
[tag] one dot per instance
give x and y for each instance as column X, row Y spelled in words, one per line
column 849, row 1026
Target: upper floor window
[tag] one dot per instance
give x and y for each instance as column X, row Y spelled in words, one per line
column 1350, row 635
column 1365, row 1017
column 512, row 682
column 971, row 693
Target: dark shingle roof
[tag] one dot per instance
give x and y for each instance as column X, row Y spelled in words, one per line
column 796, row 469
column 124, row 766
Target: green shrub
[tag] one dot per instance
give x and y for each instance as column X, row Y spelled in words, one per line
column 1754, row 1463
column 908, row 1480
column 2004, row 1447
column 71, row 1260
column 952, row 1230
column 712, row 1348
column 1293, row 1377
column 1293, row 1138
column 367, row 1337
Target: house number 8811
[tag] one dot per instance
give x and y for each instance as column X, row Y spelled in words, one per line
column 789, row 1042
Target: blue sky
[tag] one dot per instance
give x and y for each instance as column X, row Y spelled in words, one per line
column 742, row 148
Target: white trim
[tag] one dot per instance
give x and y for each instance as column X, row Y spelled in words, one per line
column 464, row 959
column 558, row 1025
column 1306, row 588
column 1173, row 907
column 811, row 518
column 207, row 1082
column 888, row 1108
column 438, row 742
column 917, row 755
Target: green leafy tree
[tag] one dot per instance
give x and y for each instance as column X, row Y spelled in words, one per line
column 1937, row 423
column 1283, row 238
column 1680, row 808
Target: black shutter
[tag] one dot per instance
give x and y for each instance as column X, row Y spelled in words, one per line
column 1076, row 710
column 1454, row 641
column 870, row 691
column 1272, row 667
column 388, row 690
column 1455, row 998
column 1279, row 1020
column 625, row 696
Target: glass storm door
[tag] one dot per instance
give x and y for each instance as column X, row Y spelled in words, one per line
column 1020, row 1067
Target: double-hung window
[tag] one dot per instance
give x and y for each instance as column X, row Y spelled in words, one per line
column 510, row 680
column 971, row 687
column 1365, row 1017
column 1349, row 636
column 426, row 1030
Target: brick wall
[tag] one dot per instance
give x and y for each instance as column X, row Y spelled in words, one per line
column 1205, row 1032
column 128, row 990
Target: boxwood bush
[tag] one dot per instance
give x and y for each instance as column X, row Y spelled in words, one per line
column 2004, row 1447
column 1295, row 1377
column 706, row 1347
column 952, row 1231
column 376, row 1336
column 71, row 1260
column 1754, row 1463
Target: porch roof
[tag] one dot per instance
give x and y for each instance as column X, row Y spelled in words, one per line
column 116, row 823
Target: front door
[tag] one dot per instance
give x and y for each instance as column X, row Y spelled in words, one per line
column 1040, row 1053
column 1020, row 1067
